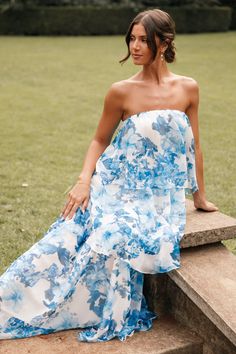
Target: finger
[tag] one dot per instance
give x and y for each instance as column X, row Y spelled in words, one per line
column 66, row 205
column 73, row 210
column 85, row 204
column 68, row 209
column 72, row 203
column 64, row 209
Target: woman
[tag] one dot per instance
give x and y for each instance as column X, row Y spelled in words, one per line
column 126, row 214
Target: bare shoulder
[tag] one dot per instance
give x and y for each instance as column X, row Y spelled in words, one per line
column 120, row 88
column 118, row 93
column 189, row 86
column 188, row 83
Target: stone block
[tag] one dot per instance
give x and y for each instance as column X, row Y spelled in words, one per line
column 208, row 277
column 166, row 337
column 206, row 227
column 186, row 312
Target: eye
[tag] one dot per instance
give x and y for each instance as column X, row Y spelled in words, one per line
column 144, row 40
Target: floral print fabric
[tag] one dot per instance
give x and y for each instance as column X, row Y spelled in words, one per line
column 88, row 272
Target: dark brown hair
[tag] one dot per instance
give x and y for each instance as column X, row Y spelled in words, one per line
column 156, row 23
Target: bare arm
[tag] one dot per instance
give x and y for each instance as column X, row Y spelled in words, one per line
column 110, row 118
column 192, row 113
column 200, row 201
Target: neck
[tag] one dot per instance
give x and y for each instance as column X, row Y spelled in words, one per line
column 155, row 72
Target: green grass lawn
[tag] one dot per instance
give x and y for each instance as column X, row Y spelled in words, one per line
column 51, row 98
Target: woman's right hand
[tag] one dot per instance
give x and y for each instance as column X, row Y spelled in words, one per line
column 77, row 197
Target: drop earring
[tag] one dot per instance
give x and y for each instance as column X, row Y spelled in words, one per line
column 162, row 57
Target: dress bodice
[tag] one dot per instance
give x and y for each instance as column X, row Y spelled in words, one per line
column 151, row 149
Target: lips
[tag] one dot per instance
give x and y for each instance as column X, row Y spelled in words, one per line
column 136, row 56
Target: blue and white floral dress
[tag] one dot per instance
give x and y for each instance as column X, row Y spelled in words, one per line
column 88, row 272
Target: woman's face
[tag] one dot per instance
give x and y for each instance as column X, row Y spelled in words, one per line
column 139, row 50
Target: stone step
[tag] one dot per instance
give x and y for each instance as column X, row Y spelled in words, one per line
column 206, row 227
column 208, row 277
column 166, row 337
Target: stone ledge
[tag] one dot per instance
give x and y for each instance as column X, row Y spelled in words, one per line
column 206, row 227
column 166, row 337
column 208, row 277
column 186, row 312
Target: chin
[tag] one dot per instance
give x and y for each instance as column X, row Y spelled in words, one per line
column 138, row 62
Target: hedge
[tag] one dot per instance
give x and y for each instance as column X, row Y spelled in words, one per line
column 156, row 3
column 103, row 21
column 233, row 19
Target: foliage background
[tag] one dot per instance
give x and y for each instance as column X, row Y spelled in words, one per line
column 195, row 3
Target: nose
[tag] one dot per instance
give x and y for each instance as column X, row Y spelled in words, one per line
column 136, row 44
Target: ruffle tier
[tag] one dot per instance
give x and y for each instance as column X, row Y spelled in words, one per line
column 61, row 283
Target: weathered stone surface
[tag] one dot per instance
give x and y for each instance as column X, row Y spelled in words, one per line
column 208, row 277
column 206, row 227
column 155, row 292
column 187, row 313
column 166, row 337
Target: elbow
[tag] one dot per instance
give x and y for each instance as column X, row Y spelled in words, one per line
column 100, row 141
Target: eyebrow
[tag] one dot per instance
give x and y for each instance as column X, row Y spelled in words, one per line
column 142, row 36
